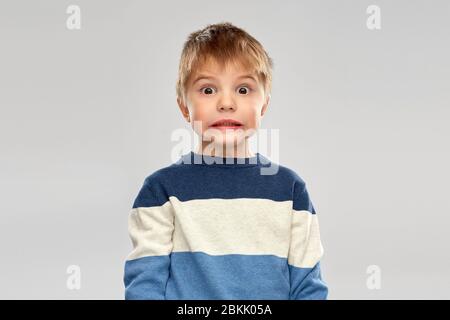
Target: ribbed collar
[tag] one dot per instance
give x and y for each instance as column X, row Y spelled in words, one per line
column 223, row 162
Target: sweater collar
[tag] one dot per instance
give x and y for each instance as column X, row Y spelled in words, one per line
column 218, row 161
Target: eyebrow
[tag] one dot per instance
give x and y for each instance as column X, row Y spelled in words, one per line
column 245, row 76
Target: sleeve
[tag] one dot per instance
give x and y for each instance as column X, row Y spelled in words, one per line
column 305, row 250
column 150, row 227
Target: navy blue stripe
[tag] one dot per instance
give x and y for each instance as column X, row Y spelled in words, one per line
column 189, row 181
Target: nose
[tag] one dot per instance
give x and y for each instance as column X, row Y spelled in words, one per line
column 226, row 107
column 226, row 103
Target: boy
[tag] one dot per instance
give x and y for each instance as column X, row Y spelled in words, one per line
column 211, row 225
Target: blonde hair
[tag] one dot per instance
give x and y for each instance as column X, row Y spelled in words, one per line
column 224, row 43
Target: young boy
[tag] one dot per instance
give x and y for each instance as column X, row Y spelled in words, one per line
column 213, row 225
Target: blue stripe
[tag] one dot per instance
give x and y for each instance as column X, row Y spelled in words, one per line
column 197, row 275
column 145, row 278
column 201, row 181
column 308, row 283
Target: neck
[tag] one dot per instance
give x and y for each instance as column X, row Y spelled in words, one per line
column 239, row 151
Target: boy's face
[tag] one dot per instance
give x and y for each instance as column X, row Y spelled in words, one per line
column 233, row 93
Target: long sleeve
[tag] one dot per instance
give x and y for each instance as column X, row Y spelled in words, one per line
column 150, row 227
column 305, row 249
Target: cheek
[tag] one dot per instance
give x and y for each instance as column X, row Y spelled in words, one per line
column 201, row 117
column 253, row 117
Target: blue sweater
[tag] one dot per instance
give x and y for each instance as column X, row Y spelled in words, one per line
column 207, row 228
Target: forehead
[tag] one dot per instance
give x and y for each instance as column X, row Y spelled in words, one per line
column 214, row 68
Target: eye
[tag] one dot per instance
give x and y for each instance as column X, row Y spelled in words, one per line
column 207, row 90
column 244, row 90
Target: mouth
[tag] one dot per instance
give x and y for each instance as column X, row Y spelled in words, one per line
column 227, row 124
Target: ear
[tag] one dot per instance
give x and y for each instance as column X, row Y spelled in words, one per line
column 265, row 105
column 184, row 109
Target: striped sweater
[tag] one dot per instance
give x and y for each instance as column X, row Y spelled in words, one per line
column 214, row 228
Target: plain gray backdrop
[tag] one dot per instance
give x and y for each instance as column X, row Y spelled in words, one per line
column 87, row 114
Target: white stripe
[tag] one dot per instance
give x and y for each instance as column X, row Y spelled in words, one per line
column 226, row 226
column 306, row 247
column 150, row 230
column 232, row 226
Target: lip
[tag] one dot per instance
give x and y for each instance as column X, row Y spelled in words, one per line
column 226, row 124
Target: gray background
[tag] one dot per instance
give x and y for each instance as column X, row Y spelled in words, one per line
column 87, row 114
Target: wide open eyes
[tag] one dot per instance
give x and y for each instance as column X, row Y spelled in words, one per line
column 242, row 90
column 207, row 90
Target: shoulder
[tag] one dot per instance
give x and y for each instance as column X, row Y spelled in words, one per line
column 301, row 199
column 287, row 174
column 159, row 176
column 153, row 191
column 293, row 176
